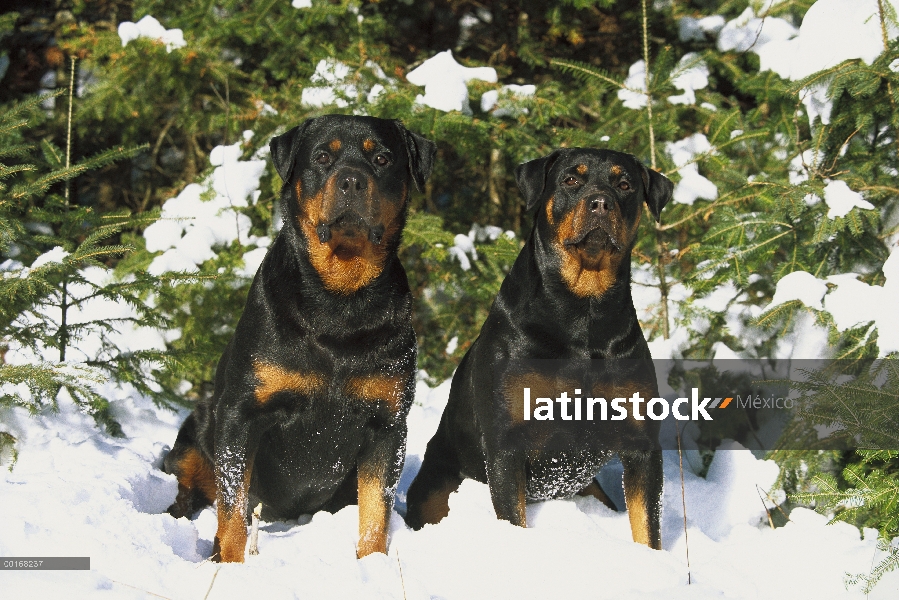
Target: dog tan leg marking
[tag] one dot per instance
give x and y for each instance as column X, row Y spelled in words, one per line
column 522, row 500
column 597, row 492
column 638, row 513
column 231, row 536
column 195, row 472
column 374, row 512
column 274, row 379
column 436, row 506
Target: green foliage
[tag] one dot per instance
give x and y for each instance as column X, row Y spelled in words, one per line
column 47, row 308
column 857, row 403
column 451, row 302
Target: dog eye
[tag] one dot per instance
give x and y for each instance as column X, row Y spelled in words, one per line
column 381, row 160
column 624, row 186
column 323, row 158
column 569, row 181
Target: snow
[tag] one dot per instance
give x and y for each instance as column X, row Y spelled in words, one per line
column 191, row 226
column 445, row 82
column 692, row 29
column 849, row 301
column 633, row 95
column 507, row 104
column 335, row 83
column 692, row 186
column 152, row 29
column 750, row 32
column 840, row 199
column 463, row 246
column 832, row 31
column 301, row 3
column 56, row 255
column 801, row 286
column 691, row 74
column 77, row 492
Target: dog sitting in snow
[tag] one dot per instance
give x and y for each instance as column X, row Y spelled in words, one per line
column 312, row 392
column 567, row 296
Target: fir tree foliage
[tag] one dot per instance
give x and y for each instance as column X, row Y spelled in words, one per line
column 59, row 267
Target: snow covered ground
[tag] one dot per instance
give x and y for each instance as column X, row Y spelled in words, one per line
column 77, row 492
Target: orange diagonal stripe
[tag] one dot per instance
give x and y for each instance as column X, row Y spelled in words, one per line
column 725, row 403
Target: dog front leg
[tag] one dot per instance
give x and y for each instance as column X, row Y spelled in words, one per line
column 507, row 479
column 378, row 470
column 643, row 494
column 233, row 469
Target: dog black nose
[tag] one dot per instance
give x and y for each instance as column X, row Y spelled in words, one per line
column 351, row 182
column 599, row 205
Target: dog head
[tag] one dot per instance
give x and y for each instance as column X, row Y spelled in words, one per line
column 346, row 184
column 590, row 205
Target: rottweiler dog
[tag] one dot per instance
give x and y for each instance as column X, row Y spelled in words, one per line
column 311, row 394
column 567, row 296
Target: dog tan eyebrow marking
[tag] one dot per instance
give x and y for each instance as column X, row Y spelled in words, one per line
column 616, row 170
column 334, row 145
column 274, row 379
column 582, row 169
column 373, row 388
column 368, row 145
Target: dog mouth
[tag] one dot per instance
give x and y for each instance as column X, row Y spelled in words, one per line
column 593, row 240
column 350, row 225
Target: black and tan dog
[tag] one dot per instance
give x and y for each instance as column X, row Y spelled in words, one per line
column 311, row 394
column 567, row 296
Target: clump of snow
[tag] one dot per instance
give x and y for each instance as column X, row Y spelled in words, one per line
column 802, row 286
column 452, row 345
column 832, row 31
column 692, row 185
column 331, row 75
column 301, row 3
column 507, row 104
column 691, row 74
column 633, row 95
column 750, row 32
column 191, row 227
column 693, row 29
column 332, row 72
column 849, row 301
column 445, row 82
column 56, row 255
column 152, row 29
column 462, row 247
column 841, row 199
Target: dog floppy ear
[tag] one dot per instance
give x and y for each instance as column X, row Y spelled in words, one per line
column 658, row 190
column 531, row 178
column 284, row 150
column 421, row 153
